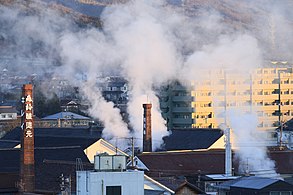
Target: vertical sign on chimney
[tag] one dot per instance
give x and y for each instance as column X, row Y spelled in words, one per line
column 147, row 128
column 27, row 173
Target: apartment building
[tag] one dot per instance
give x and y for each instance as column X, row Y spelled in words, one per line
column 204, row 103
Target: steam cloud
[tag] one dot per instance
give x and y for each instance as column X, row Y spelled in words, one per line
column 147, row 42
column 250, row 145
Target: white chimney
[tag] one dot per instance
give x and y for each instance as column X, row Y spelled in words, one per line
column 228, row 153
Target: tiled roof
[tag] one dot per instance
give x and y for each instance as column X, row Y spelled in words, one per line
column 8, row 143
column 66, row 115
column 47, row 137
column 191, row 139
column 14, row 134
column 50, row 163
column 184, row 163
column 10, row 157
column 204, row 161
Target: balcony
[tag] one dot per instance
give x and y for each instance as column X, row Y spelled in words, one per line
column 182, row 121
column 183, row 109
column 182, row 98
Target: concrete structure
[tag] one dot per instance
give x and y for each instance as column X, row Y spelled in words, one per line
column 203, row 103
column 176, row 105
column 110, row 183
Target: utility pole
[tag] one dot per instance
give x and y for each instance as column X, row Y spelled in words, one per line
column 132, row 155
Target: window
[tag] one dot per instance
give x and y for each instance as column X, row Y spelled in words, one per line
column 113, row 190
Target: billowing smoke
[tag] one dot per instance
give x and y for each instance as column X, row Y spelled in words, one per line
column 115, row 128
column 148, row 42
column 250, row 145
column 149, row 57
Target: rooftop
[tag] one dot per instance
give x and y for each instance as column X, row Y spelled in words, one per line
column 66, row 116
column 191, row 139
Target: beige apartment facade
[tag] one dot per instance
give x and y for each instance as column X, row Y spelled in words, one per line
column 267, row 92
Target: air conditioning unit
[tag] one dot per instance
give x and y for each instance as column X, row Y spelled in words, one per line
column 103, row 163
column 110, row 163
column 106, row 163
column 119, row 162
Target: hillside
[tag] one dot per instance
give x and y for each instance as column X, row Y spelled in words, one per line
column 270, row 21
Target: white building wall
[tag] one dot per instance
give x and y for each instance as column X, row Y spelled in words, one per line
column 8, row 116
column 95, row 183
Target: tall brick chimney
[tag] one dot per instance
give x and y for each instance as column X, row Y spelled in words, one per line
column 27, row 164
column 147, row 128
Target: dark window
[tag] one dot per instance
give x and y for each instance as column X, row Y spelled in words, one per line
column 113, row 190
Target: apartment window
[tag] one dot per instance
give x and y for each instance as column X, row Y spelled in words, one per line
column 266, row 93
column 286, row 92
column 259, row 82
column 275, row 81
column 259, row 92
column 266, row 82
column 113, row 190
column 287, row 103
column 286, row 81
column 3, row 116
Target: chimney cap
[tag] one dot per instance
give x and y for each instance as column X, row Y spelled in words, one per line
column 148, row 105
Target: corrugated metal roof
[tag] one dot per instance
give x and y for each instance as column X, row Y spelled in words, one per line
column 254, row 182
column 66, row 115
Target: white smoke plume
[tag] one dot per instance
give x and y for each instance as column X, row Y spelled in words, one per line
column 149, row 57
column 115, row 128
column 147, row 42
column 250, row 145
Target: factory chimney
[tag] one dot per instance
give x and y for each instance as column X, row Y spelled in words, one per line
column 147, row 128
column 228, row 153
column 27, row 161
